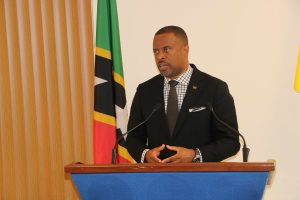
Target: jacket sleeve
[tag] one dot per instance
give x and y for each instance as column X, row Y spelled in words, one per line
column 225, row 142
column 137, row 139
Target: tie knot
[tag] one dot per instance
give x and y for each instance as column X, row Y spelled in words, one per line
column 173, row 83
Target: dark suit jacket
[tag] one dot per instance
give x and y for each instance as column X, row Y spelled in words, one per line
column 192, row 129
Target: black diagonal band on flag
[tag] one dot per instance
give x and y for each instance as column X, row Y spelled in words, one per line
column 103, row 68
column 120, row 96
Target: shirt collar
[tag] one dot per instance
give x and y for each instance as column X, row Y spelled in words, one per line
column 184, row 78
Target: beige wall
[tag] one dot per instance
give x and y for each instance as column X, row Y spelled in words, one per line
column 46, row 91
column 253, row 45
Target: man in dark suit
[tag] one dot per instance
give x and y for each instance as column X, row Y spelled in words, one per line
column 183, row 129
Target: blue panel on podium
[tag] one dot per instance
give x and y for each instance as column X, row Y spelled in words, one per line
column 171, row 185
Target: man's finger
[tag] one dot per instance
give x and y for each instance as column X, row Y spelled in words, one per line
column 160, row 148
column 176, row 161
column 156, row 159
column 174, row 148
column 154, row 156
column 170, row 159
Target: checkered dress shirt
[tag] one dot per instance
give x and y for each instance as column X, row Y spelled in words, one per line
column 181, row 87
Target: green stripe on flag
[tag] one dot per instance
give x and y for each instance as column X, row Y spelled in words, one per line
column 108, row 32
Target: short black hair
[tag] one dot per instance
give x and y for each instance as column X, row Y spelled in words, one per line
column 176, row 30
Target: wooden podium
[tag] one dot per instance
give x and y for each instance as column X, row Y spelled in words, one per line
column 182, row 181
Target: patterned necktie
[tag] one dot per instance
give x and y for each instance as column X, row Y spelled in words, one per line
column 172, row 106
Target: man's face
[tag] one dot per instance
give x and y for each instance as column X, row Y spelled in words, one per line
column 171, row 54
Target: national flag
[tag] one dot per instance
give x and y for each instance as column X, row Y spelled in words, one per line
column 110, row 112
column 297, row 77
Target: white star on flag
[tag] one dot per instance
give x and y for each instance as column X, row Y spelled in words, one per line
column 99, row 81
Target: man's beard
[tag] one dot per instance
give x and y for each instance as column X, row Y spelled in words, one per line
column 170, row 73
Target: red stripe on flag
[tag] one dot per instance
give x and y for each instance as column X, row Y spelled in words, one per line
column 104, row 141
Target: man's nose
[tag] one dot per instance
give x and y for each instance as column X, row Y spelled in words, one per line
column 160, row 55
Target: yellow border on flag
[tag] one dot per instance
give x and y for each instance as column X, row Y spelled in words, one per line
column 107, row 119
column 103, row 53
column 124, row 153
column 297, row 77
column 119, row 79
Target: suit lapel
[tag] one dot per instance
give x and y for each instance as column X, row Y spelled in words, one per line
column 158, row 97
column 158, row 94
column 191, row 97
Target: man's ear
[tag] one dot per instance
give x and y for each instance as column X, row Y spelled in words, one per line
column 186, row 48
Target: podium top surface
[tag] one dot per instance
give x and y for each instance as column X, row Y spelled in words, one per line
column 172, row 167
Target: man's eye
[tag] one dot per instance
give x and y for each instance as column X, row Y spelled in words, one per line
column 167, row 49
column 155, row 51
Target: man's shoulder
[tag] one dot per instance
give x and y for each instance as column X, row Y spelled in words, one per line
column 212, row 78
column 152, row 82
column 200, row 75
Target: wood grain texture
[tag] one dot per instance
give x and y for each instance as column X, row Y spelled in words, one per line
column 171, row 167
